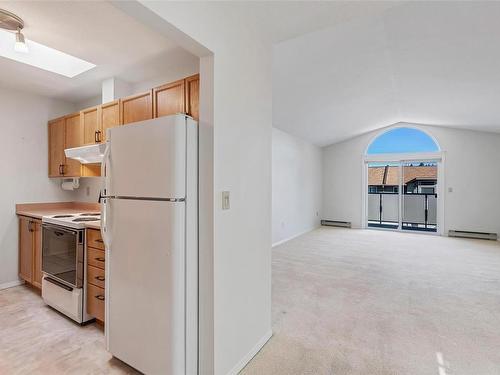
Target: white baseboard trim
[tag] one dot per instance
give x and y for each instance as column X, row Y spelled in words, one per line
column 248, row 357
column 294, row 236
column 11, row 284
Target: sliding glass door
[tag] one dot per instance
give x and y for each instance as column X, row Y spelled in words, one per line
column 402, row 195
column 383, row 195
column 419, row 196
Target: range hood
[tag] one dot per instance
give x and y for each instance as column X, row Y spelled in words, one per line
column 87, row 154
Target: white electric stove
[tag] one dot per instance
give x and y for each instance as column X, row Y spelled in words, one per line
column 76, row 221
column 63, row 263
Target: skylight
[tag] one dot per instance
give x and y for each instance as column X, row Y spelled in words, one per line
column 43, row 57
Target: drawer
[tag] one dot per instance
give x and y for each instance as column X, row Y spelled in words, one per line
column 96, row 258
column 95, row 276
column 94, row 239
column 95, row 302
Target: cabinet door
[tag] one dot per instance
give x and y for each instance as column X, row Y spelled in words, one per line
column 169, row 99
column 73, row 138
column 56, row 147
column 110, row 117
column 137, row 108
column 193, row 96
column 26, row 249
column 37, row 254
column 90, row 120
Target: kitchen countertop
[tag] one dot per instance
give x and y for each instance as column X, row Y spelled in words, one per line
column 37, row 210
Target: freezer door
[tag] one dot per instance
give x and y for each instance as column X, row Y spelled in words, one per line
column 148, row 160
column 145, row 284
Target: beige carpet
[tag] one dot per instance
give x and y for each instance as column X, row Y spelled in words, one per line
column 379, row 303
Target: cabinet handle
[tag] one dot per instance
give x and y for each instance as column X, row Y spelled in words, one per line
column 99, row 240
column 100, row 278
column 100, row 297
column 99, row 139
column 61, row 169
column 99, row 259
column 30, row 226
column 95, row 137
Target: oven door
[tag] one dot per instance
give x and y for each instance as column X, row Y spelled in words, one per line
column 62, row 254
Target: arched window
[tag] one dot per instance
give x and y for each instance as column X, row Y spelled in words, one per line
column 402, row 141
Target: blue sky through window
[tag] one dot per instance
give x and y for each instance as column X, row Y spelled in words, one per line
column 402, row 140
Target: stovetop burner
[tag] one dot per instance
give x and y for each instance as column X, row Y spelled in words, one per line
column 79, row 219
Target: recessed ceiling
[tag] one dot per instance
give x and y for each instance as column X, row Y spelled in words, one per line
column 94, row 31
column 419, row 62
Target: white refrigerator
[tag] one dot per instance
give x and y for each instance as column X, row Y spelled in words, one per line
column 149, row 224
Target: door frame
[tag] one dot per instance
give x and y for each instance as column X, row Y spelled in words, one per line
column 438, row 157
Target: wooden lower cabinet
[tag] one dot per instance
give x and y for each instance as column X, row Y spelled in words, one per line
column 96, row 258
column 30, row 251
column 96, row 262
column 95, row 301
column 37, row 255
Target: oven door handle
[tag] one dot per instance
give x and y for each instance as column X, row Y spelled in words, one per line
column 57, row 228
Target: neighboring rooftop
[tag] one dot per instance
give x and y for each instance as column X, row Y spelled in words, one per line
column 389, row 175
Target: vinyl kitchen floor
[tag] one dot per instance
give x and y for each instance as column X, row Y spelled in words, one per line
column 366, row 302
column 35, row 339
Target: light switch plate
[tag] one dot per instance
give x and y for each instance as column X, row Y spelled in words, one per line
column 225, row 200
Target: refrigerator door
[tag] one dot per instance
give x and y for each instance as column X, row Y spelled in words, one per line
column 147, row 159
column 145, row 284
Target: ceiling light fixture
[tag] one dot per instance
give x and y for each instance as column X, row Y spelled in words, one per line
column 14, row 46
column 20, row 45
column 9, row 21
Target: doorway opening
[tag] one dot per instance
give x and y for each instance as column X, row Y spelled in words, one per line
column 402, row 174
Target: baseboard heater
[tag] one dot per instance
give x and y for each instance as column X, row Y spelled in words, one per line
column 334, row 223
column 467, row 234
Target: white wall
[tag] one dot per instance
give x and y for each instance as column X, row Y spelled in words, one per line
column 471, row 170
column 242, row 118
column 297, row 186
column 23, row 162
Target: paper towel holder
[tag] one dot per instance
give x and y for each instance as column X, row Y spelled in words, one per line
column 70, row 184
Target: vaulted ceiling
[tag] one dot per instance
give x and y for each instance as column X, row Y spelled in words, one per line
column 435, row 63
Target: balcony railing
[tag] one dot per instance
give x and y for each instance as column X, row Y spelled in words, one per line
column 419, row 211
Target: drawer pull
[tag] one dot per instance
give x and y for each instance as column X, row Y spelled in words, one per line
column 100, row 297
column 100, row 259
column 99, row 240
column 100, row 278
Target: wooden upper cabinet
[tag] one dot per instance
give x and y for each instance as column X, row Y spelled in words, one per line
column 73, row 138
column 169, row 99
column 137, row 107
column 193, row 96
column 90, row 122
column 110, row 117
column 56, row 147
column 26, row 228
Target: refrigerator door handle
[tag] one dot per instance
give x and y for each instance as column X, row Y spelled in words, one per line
column 104, row 223
column 104, row 165
column 104, row 199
